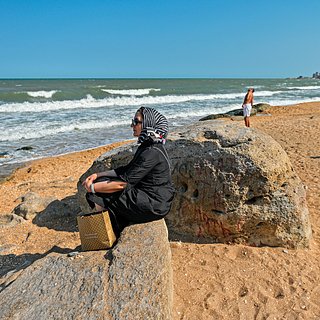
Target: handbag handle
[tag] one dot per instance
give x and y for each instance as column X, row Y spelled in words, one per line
column 165, row 156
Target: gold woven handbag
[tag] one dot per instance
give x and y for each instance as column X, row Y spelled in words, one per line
column 96, row 231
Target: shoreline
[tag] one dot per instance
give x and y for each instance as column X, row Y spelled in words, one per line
column 19, row 165
column 9, row 168
column 210, row 280
column 87, row 156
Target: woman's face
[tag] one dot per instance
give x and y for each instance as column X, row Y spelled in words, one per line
column 137, row 124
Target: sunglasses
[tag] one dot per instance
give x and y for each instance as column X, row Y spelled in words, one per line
column 135, row 121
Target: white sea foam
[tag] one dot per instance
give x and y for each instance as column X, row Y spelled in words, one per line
column 194, row 113
column 305, row 88
column 266, row 93
column 42, row 94
column 131, row 92
column 287, row 102
column 90, row 102
column 255, row 87
column 53, row 126
column 201, row 112
column 30, row 133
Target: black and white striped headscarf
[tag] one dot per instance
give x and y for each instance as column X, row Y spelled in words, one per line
column 154, row 126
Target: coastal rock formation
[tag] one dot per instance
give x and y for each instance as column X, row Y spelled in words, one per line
column 257, row 108
column 261, row 107
column 131, row 281
column 234, row 184
column 140, row 274
column 31, row 204
column 10, row 220
column 58, row 287
column 46, row 212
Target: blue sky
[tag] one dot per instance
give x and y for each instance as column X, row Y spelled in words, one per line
column 126, row 38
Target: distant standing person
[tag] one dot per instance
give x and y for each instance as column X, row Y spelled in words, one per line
column 247, row 106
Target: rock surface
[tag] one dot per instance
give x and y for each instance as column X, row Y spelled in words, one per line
column 234, row 184
column 257, row 108
column 31, row 204
column 131, row 281
column 10, row 220
column 140, row 274
column 261, row 107
column 44, row 211
column 58, row 287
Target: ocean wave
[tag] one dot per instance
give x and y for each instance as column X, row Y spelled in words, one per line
column 194, row 113
column 42, row 94
column 131, row 92
column 287, row 102
column 305, row 88
column 267, row 93
column 90, row 102
column 30, row 133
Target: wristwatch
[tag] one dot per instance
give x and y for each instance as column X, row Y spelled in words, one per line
column 92, row 188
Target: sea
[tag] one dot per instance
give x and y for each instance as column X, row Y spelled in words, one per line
column 47, row 117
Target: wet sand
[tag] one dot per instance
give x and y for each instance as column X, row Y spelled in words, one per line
column 211, row 281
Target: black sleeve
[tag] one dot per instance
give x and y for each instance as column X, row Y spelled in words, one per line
column 120, row 170
column 140, row 167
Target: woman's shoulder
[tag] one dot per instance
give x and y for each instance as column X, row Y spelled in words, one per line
column 151, row 150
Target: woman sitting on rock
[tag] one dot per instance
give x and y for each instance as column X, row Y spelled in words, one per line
column 142, row 190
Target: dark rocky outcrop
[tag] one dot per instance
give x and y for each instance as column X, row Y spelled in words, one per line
column 215, row 116
column 261, row 107
column 257, row 108
column 25, row 148
column 233, row 184
column 131, row 281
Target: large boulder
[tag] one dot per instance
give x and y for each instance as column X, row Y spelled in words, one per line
column 131, row 281
column 234, row 184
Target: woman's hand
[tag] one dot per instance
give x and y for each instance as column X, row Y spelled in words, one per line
column 87, row 183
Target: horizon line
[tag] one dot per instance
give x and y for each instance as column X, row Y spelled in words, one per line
column 147, row 78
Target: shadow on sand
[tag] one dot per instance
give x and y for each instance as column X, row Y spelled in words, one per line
column 60, row 215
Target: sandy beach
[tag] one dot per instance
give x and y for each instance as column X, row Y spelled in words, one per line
column 211, row 281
